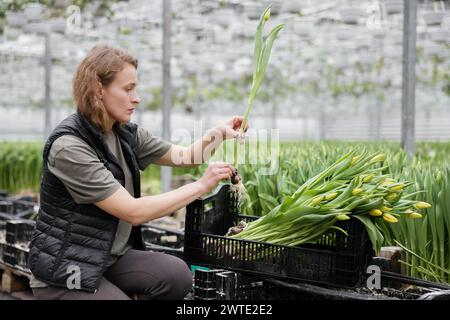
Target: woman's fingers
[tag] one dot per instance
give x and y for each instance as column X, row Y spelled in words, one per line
column 224, row 176
column 237, row 122
column 223, row 165
column 232, row 133
column 226, row 171
column 222, row 170
column 215, row 173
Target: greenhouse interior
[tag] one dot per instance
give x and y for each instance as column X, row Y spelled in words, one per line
column 226, row 150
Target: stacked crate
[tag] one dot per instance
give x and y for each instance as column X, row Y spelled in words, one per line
column 16, row 228
column 219, row 284
column 2, row 238
column 205, row 284
column 16, row 246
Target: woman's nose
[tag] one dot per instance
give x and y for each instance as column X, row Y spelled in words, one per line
column 135, row 99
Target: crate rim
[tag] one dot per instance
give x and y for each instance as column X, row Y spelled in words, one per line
column 301, row 247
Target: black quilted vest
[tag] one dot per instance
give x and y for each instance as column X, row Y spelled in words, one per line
column 68, row 234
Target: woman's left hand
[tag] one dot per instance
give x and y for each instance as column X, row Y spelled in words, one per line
column 230, row 129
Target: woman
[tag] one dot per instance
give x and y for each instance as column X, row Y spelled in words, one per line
column 87, row 242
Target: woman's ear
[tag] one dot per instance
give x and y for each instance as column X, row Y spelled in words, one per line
column 100, row 91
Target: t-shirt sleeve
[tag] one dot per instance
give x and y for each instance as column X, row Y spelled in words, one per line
column 150, row 148
column 78, row 167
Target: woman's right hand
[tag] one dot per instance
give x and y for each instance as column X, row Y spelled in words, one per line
column 215, row 173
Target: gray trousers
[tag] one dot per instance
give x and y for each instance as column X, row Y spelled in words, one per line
column 137, row 274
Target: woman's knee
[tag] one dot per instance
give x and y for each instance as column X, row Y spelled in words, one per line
column 154, row 275
column 181, row 279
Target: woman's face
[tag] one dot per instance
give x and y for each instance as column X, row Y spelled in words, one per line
column 120, row 96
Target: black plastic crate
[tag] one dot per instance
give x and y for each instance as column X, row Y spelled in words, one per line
column 3, row 194
column 162, row 236
column 19, row 231
column 206, row 279
column 5, row 217
column 177, row 252
column 10, row 255
column 18, row 208
column 204, row 293
column 220, row 284
column 15, row 256
column 336, row 259
column 2, row 230
column 2, row 250
column 237, row 286
column 6, row 206
column 22, row 259
column 24, row 204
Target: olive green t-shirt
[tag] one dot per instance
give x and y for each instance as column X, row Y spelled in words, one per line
column 87, row 180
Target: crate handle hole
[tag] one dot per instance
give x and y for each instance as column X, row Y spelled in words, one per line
column 208, row 206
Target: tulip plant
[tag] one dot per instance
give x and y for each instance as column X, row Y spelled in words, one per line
column 261, row 55
column 355, row 186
